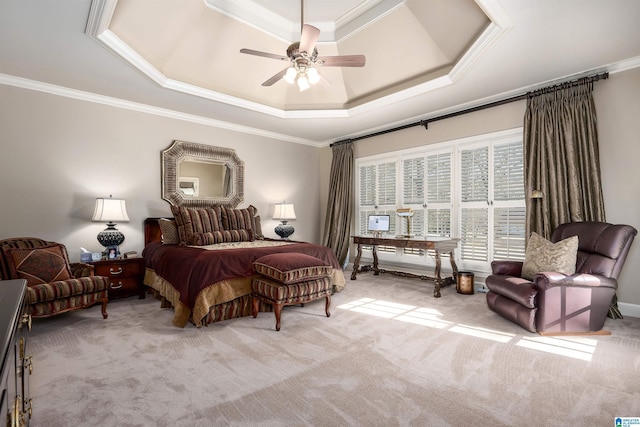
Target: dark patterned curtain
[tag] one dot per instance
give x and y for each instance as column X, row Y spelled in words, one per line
column 340, row 207
column 562, row 160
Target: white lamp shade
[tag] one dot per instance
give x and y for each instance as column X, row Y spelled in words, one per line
column 110, row 210
column 284, row 211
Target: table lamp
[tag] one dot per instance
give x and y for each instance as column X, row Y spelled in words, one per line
column 110, row 210
column 284, row 212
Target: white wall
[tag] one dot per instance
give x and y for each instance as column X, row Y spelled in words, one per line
column 58, row 154
column 618, row 107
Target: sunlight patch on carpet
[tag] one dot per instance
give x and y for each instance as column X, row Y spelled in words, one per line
column 575, row 347
column 484, row 333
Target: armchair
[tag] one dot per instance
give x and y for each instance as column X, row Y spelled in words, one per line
column 53, row 284
column 556, row 303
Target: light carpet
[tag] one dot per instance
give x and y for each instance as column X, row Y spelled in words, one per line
column 389, row 355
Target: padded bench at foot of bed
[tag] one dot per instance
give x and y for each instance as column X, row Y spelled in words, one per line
column 279, row 294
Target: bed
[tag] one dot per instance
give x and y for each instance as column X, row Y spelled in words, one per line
column 210, row 283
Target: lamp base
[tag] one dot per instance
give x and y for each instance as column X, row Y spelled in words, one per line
column 284, row 230
column 110, row 236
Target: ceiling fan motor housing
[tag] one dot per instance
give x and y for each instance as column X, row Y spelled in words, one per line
column 293, row 52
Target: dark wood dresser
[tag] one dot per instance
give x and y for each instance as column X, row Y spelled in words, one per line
column 17, row 366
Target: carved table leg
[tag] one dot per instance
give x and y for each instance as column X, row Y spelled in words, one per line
column 454, row 268
column 356, row 262
column 436, row 289
column 376, row 270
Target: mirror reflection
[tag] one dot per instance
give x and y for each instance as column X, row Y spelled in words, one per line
column 203, row 179
column 197, row 175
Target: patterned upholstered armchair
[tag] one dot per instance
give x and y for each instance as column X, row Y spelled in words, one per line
column 53, row 284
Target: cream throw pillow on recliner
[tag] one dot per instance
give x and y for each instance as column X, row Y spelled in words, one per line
column 543, row 255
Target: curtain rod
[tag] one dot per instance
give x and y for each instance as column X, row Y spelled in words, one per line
column 425, row 122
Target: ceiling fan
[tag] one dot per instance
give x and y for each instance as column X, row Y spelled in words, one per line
column 304, row 58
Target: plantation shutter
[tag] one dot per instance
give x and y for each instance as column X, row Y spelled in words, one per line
column 474, row 215
column 439, row 194
column 386, row 184
column 377, row 195
column 508, row 196
column 413, row 181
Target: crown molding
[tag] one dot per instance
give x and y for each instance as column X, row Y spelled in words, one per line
column 23, row 83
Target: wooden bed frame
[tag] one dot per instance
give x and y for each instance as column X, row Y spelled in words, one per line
column 152, row 232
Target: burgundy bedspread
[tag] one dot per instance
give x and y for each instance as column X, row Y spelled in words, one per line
column 191, row 269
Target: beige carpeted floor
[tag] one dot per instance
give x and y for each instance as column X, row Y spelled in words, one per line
column 390, row 354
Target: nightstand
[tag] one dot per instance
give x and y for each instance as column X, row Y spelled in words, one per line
column 125, row 276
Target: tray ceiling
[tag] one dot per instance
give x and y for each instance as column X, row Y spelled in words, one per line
column 194, row 46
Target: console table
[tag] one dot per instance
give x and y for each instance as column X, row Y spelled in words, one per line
column 436, row 244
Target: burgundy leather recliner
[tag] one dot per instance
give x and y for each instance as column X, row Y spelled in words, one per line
column 554, row 302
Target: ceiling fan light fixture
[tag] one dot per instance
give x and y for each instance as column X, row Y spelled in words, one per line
column 303, row 82
column 290, row 75
column 314, row 76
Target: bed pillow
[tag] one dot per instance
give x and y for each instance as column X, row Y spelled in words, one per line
column 194, row 221
column 223, row 236
column 257, row 228
column 45, row 264
column 290, row 268
column 543, row 255
column 169, row 231
column 238, row 219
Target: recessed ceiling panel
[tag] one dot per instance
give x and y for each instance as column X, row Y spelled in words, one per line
column 198, row 45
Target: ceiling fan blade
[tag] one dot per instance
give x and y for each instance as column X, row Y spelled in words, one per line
column 275, row 78
column 264, row 54
column 309, row 38
column 341, row 61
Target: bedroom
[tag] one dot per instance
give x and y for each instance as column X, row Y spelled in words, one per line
column 88, row 147
column 59, row 152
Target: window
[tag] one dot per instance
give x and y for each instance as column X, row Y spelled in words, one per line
column 472, row 189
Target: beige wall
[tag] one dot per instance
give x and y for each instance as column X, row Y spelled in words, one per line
column 58, row 154
column 618, row 107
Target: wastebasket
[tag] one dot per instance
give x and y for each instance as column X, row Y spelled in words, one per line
column 465, row 283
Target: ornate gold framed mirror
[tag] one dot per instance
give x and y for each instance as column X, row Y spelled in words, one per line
column 199, row 175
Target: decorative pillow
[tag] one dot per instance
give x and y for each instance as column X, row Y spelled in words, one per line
column 290, row 268
column 169, row 231
column 45, row 264
column 190, row 221
column 257, row 228
column 238, row 219
column 223, row 236
column 543, row 255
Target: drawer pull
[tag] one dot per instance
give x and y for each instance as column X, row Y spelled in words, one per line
column 115, row 272
column 28, row 362
column 26, row 319
column 115, row 287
